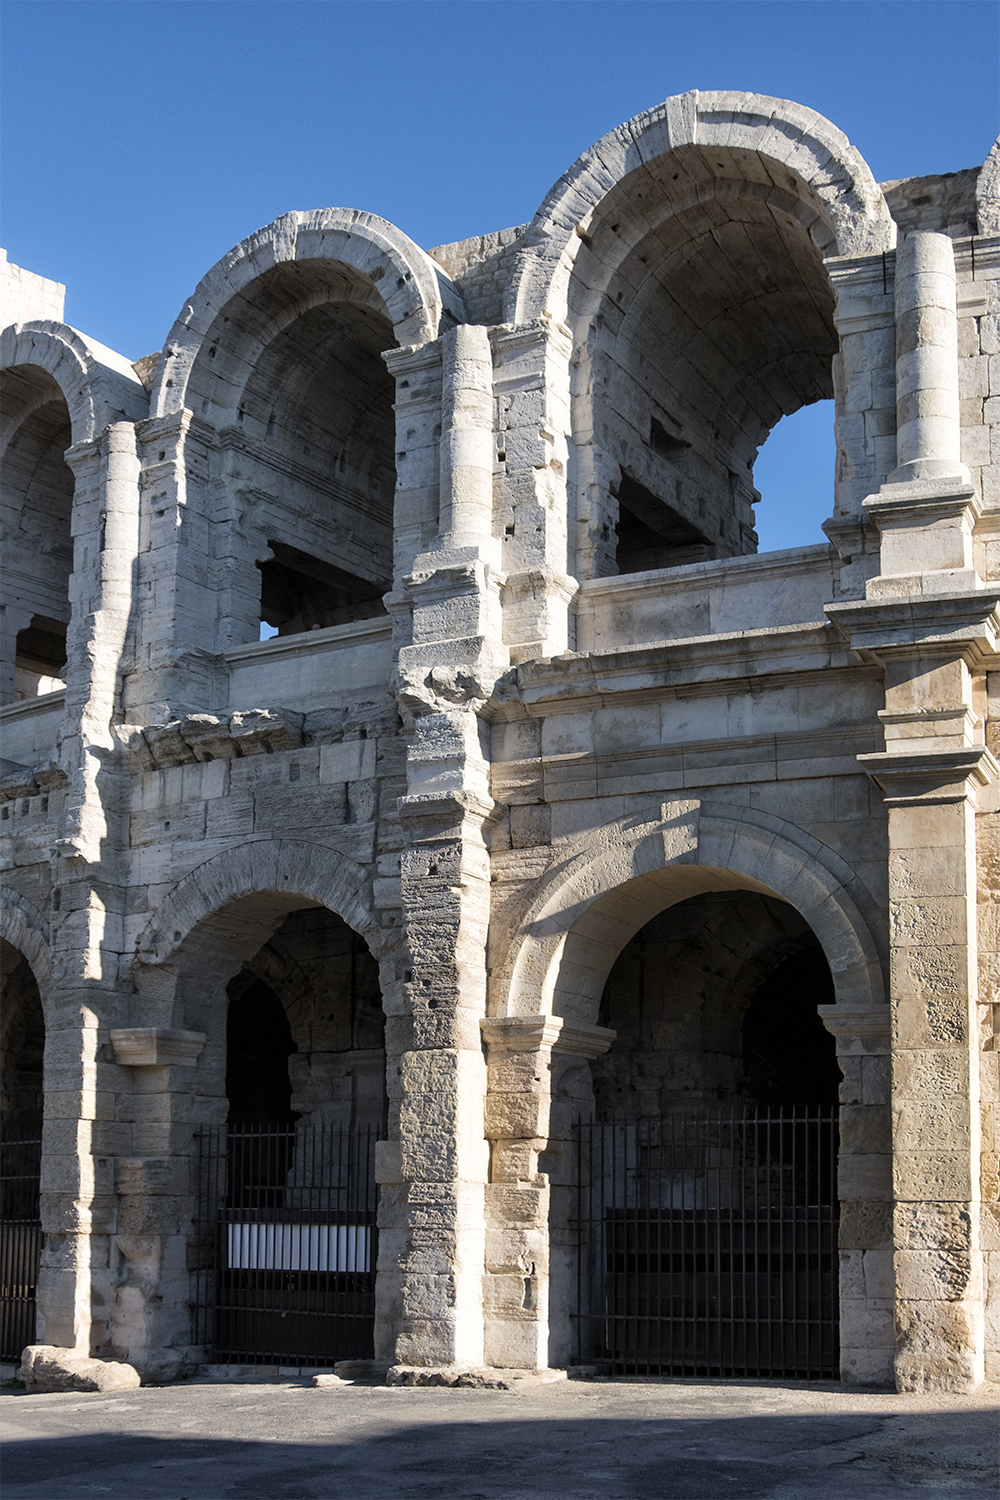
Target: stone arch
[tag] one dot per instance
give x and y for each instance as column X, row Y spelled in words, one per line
column 564, row 950
column 282, row 873
column 60, row 391
column 808, row 152
column 988, row 193
column 98, row 385
column 24, row 927
column 414, row 292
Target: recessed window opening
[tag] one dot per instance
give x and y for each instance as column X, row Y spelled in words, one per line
column 302, row 593
column 652, row 534
column 794, row 474
column 40, row 662
column 712, row 328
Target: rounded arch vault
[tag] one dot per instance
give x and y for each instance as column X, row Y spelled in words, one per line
column 795, row 147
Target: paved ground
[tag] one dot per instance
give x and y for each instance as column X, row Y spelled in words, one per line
column 650, row 1440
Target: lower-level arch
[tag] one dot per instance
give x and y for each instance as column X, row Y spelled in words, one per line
column 563, row 952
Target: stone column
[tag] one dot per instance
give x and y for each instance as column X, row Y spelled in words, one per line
column 431, row 1228
column 932, row 798
column 535, row 511
column 177, row 648
column 447, row 620
column 528, row 1210
column 928, row 427
column 864, row 1186
column 467, row 445
column 934, row 641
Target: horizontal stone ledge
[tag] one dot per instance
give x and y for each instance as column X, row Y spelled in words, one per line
column 857, row 1023
column 532, row 1033
column 156, row 1047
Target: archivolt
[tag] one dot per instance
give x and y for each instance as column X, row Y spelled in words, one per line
column 24, row 926
column 97, row 385
column 282, row 874
column 413, row 290
column 564, row 950
column 807, row 148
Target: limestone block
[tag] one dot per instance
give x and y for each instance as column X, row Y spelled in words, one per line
column 934, row 1275
column 867, row 1366
column 865, row 1224
column 47, row 1368
column 865, row 1129
column 866, row 1177
column 942, row 1175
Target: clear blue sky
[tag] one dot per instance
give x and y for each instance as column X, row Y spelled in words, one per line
column 143, row 138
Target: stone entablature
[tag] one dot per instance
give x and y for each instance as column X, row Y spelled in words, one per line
column 530, row 690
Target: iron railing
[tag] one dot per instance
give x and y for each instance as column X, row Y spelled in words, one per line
column 20, row 1240
column 286, row 1243
column 707, row 1244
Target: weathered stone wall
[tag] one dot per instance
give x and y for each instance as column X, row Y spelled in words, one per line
column 556, row 719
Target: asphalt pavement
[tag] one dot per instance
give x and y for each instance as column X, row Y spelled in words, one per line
column 580, row 1440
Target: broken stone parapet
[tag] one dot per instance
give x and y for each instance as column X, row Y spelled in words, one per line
column 47, row 1368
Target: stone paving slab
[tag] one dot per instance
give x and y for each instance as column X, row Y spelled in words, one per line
column 589, row 1440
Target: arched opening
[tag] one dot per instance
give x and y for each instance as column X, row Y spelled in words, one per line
column 707, row 1228
column 258, row 1046
column 37, row 502
column 305, row 1031
column 22, row 1047
column 714, row 1001
column 285, row 1216
column 707, row 315
column 291, row 376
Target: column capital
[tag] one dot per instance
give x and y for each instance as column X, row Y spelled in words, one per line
column 858, row 1028
column 156, row 1047
column 965, row 624
column 535, row 1033
column 931, row 776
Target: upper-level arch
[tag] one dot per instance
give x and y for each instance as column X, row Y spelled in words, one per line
column 795, row 147
column 97, row 385
column 988, row 192
column 58, row 389
column 686, row 254
column 277, row 362
column 411, row 292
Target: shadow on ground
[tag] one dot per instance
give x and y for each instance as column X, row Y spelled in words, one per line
column 372, row 1453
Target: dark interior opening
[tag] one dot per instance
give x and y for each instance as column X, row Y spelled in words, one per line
column 22, row 1045
column 299, row 592
column 258, row 1046
column 651, row 534
column 41, row 648
column 789, row 1057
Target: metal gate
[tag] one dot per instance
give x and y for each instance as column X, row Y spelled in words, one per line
column 707, row 1244
column 20, row 1241
column 286, row 1243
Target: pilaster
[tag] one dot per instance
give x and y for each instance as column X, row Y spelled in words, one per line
column 528, row 1210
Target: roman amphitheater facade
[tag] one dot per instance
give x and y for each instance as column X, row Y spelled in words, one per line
column 547, row 770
